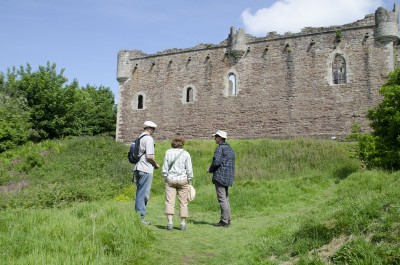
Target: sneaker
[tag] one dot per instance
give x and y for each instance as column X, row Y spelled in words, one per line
column 222, row 224
column 170, row 227
column 145, row 222
column 182, row 227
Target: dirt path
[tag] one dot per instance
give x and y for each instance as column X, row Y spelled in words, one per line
column 203, row 243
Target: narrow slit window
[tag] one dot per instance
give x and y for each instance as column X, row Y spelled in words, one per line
column 140, row 102
column 339, row 70
column 189, row 94
column 232, row 85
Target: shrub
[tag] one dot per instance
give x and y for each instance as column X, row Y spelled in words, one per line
column 382, row 149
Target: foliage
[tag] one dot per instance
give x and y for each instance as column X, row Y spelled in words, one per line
column 382, row 149
column 356, row 132
column 54, row 108
column 338, row 35
column 14, row 122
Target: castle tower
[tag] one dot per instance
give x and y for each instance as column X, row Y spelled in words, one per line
column 387, row 25
column 125, row 64
column 123, row 67
column 237, row 43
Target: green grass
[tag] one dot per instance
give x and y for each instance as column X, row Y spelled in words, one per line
column 296, row 201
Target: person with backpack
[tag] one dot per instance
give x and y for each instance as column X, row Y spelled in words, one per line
column 143, row 170
column 223, row 169
column 177, row 173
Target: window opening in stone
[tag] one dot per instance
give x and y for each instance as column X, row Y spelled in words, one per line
column 189, row 94
column 140, row 102
column 232, row 84
column 339, row 70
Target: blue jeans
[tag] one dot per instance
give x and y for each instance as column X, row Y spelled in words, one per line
column 143, row 186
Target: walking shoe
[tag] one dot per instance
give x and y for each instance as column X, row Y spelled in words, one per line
column 170, row 227
column 182, row 227
column 222, row 224
column 145, row 222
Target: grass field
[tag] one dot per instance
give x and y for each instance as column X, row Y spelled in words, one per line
column 296, row 201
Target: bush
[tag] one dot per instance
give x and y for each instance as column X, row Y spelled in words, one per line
column 382, row 149
column 14, row 122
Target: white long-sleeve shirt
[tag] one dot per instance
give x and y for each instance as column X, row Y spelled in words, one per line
column 182, row 167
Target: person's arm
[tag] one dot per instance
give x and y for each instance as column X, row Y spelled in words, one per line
column 189, row 168
column 217, row 160
column 150, row 152
column 152, row 161
column 164, row 171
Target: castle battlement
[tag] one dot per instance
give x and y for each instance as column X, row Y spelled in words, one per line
column 316, row 82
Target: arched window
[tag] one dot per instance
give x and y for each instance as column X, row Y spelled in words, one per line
column 189, row 94
column 140, row 102
column 232, row 85
column 339, row 70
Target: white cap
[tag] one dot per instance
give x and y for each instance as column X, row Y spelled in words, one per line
column 149, row 124
column 221, row 133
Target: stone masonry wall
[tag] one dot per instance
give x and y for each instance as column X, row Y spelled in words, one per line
column 284, row 86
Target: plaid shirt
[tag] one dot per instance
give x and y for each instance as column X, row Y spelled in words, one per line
column 223, row 165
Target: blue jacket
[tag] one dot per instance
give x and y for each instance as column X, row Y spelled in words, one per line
column 223, row 165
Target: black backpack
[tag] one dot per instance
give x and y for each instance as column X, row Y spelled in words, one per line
column 133, row 154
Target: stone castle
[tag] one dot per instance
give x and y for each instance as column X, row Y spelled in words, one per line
column 318, row 82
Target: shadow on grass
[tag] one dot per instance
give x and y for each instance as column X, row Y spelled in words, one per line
column 199, row 222
column 345, row 171
column 189, row 221
column 164, row 227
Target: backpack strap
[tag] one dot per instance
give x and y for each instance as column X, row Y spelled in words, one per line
column 176, row 158
column 139, row 144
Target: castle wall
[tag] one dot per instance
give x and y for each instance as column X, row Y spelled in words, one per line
column 285, row 86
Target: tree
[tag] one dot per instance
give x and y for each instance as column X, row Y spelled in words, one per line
column 53, row 107
column 15, row 127
column 382, row 148
column 103, row 115
column 93, row 111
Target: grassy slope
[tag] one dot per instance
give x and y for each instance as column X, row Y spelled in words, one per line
column 290, row 199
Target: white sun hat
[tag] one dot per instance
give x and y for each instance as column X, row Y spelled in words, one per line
column 149, row 124
column 221, row 133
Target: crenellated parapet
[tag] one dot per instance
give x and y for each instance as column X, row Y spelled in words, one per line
column 387, row 25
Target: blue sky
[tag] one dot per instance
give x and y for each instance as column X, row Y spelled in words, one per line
column 84, row 36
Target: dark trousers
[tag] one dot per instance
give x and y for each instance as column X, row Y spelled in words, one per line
column 222, row 195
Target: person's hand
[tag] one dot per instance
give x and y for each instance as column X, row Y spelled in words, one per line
column 157, row 166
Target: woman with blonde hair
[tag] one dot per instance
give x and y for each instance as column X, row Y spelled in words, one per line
column 178, row 173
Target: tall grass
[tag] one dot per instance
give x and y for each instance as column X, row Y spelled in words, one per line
column 296, row 201
column 272, row 159
column 87, row 233
column 58, row 173
column 365, row 206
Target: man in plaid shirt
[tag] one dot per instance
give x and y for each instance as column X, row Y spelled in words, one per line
column 223, row 169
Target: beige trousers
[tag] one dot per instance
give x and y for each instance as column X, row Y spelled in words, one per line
column 172, row 188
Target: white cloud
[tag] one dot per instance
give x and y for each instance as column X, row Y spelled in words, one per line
column 293, row 15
